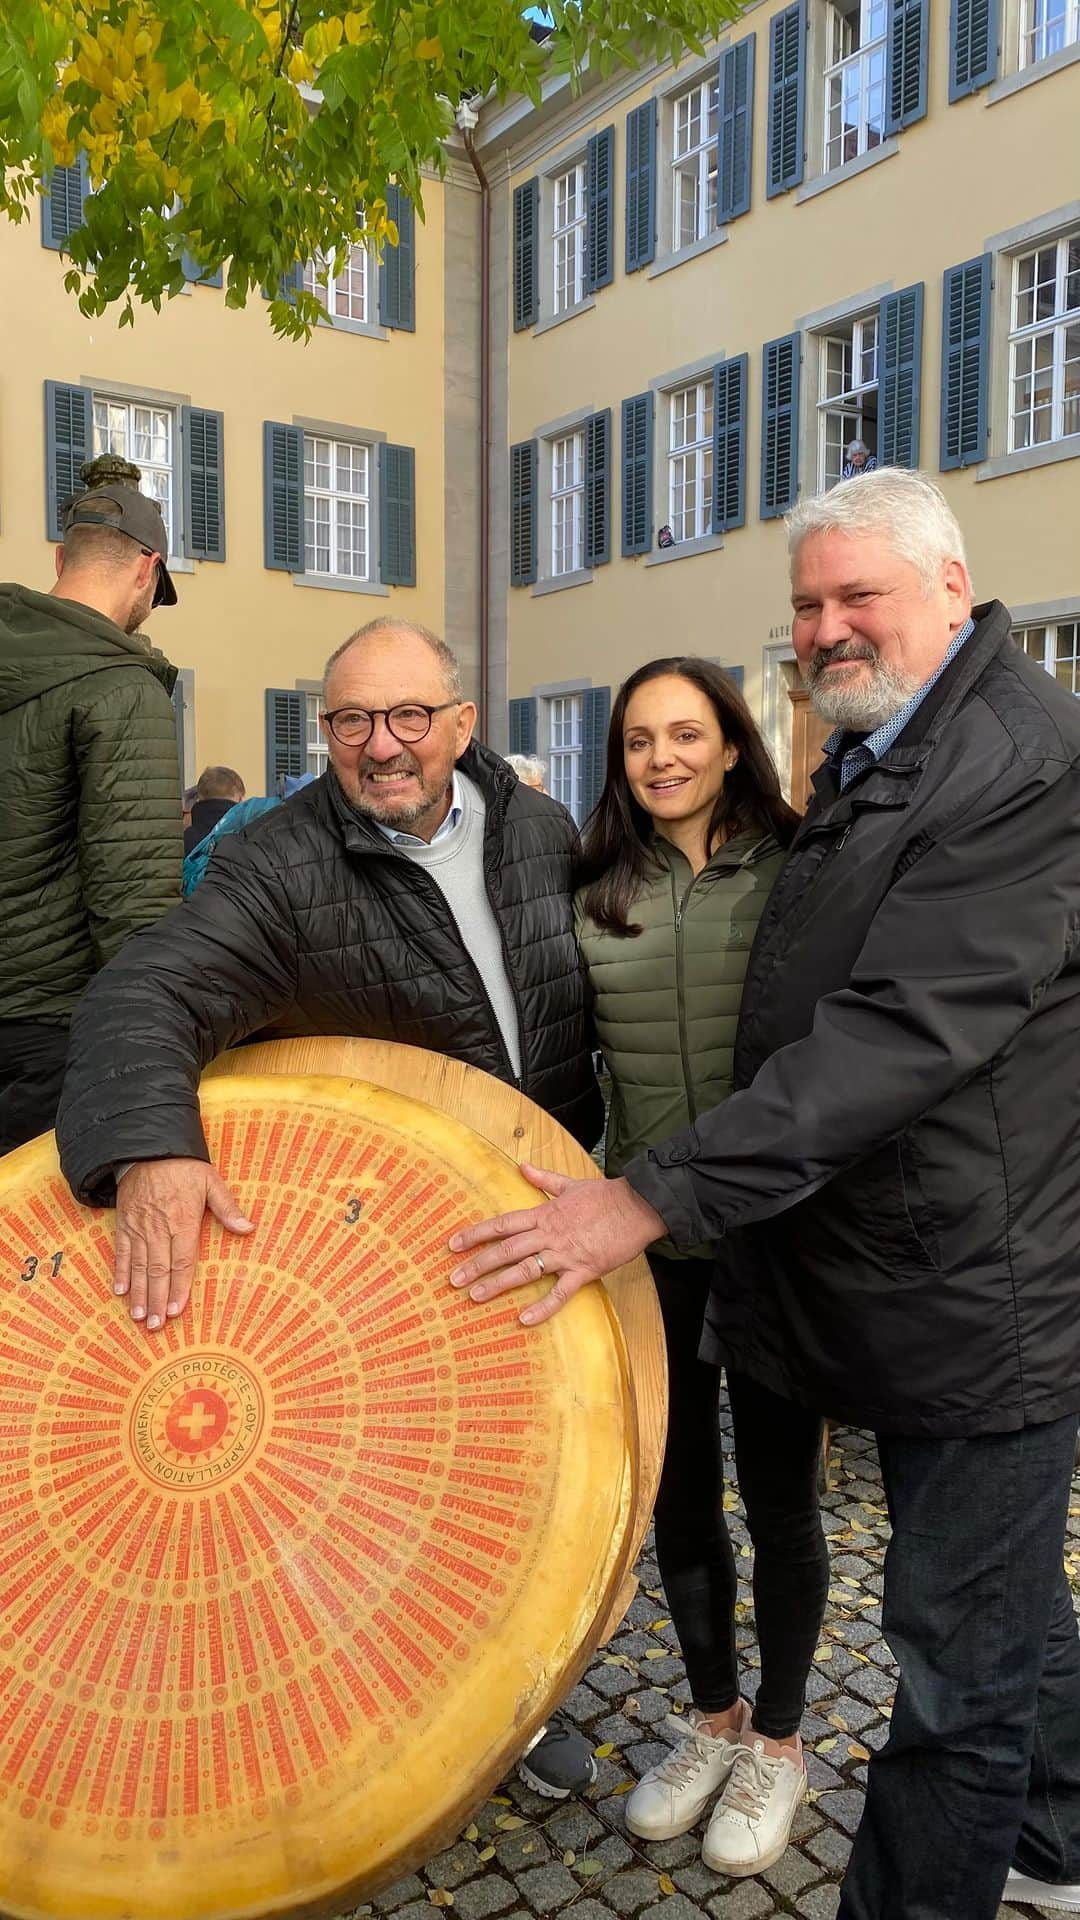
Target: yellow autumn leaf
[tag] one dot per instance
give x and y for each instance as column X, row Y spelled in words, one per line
column 856, row 1751
column 355, row 25
column 486, row 1853
column 499, row 1800
column 656, row 1653
column 665, row 1883
column 509, row 1822
column 590, row 1866
column 300, row 67
column 827, row 1745
column 472, row 1831
column 823, row 1654
column 837, row 1720
column 655, row 1625
column 601, row 1753
column 430, row 49
column 625, row 1786
column 731, row 1502
column 569, row 1857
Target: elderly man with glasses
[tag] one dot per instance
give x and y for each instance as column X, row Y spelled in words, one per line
column 418, row 892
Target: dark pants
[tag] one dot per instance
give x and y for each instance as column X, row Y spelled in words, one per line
column 777, row 1450
column 981, row 1769
column 32, row 1058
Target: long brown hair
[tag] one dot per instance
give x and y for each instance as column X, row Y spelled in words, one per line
column 617, row 850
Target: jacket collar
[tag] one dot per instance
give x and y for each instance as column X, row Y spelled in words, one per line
column 894, row 778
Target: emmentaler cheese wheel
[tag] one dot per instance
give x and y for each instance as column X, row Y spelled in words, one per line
column 284, row 1589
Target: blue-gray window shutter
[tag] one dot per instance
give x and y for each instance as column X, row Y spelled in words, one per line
column 62, row 203
column 522, row 714
column 906, row 58
column 736, row 134
column 283, row 497
column 200, row 276
column 397, row 273
column 526, row 264
column 729, row 444
column 737, row 674
column 779, row 425
column 600, row 208
column 523, row 541
column 397, row 516
column 787, row 99
column 286, row 737
column 900, row 377
column 598, row 489
column 973, row 48
column 595, row 715
column 68, row 423
column 637, row 465
column 203, row 439
column 641, row 186
column 965, row 363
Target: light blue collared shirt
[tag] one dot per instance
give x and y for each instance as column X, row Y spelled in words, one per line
column 865, row 753
column 453, row 819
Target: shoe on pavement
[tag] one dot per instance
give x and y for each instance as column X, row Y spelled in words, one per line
column 751, row 1821
column 558, row 1761
column 1041, row 1893
column 671, row 1797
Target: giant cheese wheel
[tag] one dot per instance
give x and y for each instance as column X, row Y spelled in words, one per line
column 284, row 1589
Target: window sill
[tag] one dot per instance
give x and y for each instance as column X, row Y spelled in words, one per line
column 686, row 549
column 335, row 584
column 179, row 563
column 368, row 328
column 560, row 319
column 705, row 245
column 1028, row 458
column 848, row 171
column 1027, row 77
column 558, row 582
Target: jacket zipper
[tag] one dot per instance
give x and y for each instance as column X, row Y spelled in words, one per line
column 680, row 995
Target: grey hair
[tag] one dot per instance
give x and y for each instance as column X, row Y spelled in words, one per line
column 387, row 624
column 857, row 446
column 527, row 767
column 905, row 507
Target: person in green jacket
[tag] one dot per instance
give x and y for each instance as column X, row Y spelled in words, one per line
column 679, row 858
column 89, row 784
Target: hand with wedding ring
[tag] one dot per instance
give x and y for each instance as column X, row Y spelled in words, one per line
column 586, row 1229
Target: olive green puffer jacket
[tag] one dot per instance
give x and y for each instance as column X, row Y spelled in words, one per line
column 666, row 1000
column 89, row 798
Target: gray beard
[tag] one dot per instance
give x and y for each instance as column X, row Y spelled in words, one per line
column 860, row 708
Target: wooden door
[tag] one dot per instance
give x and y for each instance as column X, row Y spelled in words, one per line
column 809, row 733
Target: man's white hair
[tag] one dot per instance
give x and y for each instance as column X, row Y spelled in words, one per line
column 528, row 767
column 906, row 508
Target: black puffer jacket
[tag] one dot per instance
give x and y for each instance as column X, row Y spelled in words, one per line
column 310, row 922
column 899, row 1178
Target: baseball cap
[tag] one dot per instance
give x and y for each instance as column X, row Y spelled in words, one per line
column 127, row 511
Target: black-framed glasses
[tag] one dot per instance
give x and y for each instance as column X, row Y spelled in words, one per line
column 409, row 722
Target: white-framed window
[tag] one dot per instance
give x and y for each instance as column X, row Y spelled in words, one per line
column 341, row 289
column 690, row 460
column 143, row 431
column 565, row 714
column 337, row 507
column 855, row 56
column 1044, row 344
column 1056, row 647
column 569, row 237
column 847, row 394
column 1046, row 27
column 316, row 751
column 568, row 503
column 694, row 162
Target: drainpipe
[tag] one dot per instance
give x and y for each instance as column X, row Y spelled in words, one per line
column 467, row 117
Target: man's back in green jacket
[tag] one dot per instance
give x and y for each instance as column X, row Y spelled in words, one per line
column 89, row 798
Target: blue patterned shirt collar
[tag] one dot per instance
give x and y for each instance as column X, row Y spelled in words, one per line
column 453, row 819
column 865, row 753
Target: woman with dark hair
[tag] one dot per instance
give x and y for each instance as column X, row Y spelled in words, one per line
column 679, row 858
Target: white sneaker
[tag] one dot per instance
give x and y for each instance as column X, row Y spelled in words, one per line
column 1041, row 1893
column 671, row 1797
column 751, row 1822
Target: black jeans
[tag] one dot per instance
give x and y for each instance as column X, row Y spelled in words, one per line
column 981, row 1769
column 777, row 1452
column 32, row 1059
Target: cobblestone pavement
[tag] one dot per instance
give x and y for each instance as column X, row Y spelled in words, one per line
column 525, row 1858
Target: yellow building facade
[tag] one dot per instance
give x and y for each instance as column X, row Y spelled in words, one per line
column 849, row 221
column 853, row 220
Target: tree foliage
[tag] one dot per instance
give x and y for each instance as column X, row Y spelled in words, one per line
column 251, row 134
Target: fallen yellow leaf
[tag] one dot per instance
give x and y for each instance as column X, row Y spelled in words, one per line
column 509, row 1822
column 603, row 1752
column 666, row 1884
column 856, row 1751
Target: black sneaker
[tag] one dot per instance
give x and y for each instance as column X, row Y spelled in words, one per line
column 558, row 1761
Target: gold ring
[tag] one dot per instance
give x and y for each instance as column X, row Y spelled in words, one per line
column 540, row 1266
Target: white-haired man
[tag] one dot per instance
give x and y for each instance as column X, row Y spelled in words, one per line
column 897, row 1183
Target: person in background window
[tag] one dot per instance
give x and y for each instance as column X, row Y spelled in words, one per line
column 529, row 769
column 218, row 789
column 858, row 459
column 679, row 860
column 89, row 782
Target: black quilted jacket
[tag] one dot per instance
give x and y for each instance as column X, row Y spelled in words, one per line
column 311, row 922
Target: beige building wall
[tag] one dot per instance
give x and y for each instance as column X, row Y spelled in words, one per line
column 977, row 175
column 239, row 627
